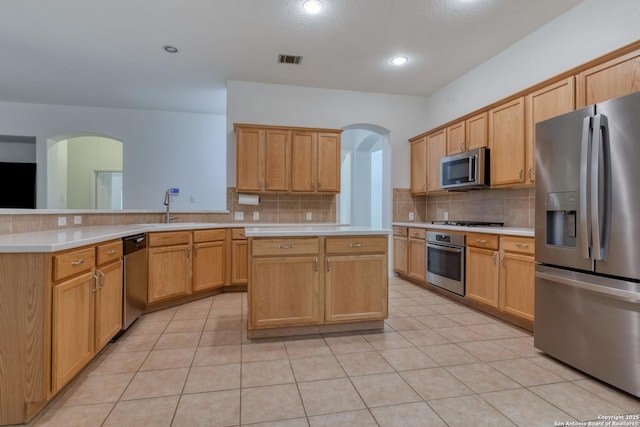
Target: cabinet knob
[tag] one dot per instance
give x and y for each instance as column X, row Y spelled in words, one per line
column 103, row 279
column 522, row 245
column 482, row 241
column 112, row 252
column 78, row 262
column 502, row 260
column 462, row 146
column 521, row 175
column 289, row 246
column 357, row 245
column 95, row 283
column 495, row 259
column 530, row 172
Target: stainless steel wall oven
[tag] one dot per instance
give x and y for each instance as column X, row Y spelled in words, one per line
column 445, row 261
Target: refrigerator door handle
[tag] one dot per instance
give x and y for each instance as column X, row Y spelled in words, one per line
column 604, row 290
column 600, row 151
column 585, row 230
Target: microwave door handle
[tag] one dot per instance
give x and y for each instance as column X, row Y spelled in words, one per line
column 585, row 230
column 599, row 149
column 472, row 167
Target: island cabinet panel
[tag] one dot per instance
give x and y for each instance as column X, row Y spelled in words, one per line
column 239, row 257
column 356, row 287
column 169, row 272
column 400, row 249
column 285, row 291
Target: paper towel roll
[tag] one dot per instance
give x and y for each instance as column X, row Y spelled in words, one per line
column 248, row 199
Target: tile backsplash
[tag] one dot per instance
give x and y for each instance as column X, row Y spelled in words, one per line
column 272, row 208
column 513, row 206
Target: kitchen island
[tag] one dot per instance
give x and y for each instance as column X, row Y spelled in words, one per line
column 316, row 279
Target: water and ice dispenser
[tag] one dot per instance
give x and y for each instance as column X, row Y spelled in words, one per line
column 561, row 218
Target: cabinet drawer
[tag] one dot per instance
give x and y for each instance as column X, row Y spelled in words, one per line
column 74, row 262
column 356, row 244
column 208, row 235
column 481, row 240
column 399, row 231
column 108, row 252
column 169, row 238
column 238, row 234
column 284, row 247
column 518, row 244
column 417, row 233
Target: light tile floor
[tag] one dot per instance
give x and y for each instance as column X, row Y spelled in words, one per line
column 437, row 363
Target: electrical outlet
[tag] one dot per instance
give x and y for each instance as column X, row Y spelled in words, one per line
column 238, row 216
column 412, row 216
column 309, row 216
column 446, row 216
column 256, row 215
column 62, row 220
column 77, row 219
column 194, row 199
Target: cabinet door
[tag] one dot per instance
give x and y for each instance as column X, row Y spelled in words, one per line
column 400, row 249
column 328, row 163
column 208, row 265
column 507, row 143
column 551, row 101
column 277, row 158
column 517, row 285
column 108, row 311
column 618, row 77
column 482, row 276
column 419, row 166
column 284, row 291
column 436, row 149
column 355, row 288
column 72, row 328
column 239, row 261
column 456, row 141
column 417, row 259
column 249, row 159
column 476, row 130
column 303, row 164
column 169, row 272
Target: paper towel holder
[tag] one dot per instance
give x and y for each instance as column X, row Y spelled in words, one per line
column 248, row 199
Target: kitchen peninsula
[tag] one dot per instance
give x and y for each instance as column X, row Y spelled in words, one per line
column 316, row 279
column 61, row 290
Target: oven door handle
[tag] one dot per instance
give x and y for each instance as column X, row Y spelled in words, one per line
column 445, row 248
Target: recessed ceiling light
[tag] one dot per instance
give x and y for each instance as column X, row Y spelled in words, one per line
column 399, row 60
column 312, row 6
column 170, row 49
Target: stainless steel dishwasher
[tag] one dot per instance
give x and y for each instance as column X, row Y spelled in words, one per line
column 135, row 278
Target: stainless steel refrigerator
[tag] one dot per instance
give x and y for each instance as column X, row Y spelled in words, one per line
column 587, row 285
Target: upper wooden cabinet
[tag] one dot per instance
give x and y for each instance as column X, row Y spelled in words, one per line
column 419, row 166
column 436, row 149
column 614, row 78
column 550, row 101
column 467, row 134
column 284, row 159
column 507, row 143
column 315, row 162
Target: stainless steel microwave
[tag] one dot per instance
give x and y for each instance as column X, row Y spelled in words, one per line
column 465, row 171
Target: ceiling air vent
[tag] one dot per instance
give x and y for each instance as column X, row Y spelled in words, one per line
column 289, row 59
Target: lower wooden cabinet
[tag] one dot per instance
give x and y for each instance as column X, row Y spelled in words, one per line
column 302, row 281
column 86, row 310
column 482, row 276
column 209, row 259
column 417, row 256
column 169, row 272
column 400, row 249
column 285, row 291
column 517, row 277
column 72, row 327
column 239, row 257
column 356, row 287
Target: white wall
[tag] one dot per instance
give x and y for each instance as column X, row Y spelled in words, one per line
column 585, row 32
column 161, row 149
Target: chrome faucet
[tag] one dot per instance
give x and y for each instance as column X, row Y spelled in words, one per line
column 167, row 203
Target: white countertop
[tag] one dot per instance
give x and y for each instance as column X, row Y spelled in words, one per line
column 505, row 231
column 69, row 238
column 315, row 230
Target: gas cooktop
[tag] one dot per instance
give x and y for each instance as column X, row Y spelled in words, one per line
column 470, row 223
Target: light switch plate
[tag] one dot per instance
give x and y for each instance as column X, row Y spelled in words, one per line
column 256, row 215
column 238, row 216
column 77, row 219
column 412, row 216
column 309, row 216
column 62, row 220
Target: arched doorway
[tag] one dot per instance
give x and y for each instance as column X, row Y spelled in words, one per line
column 85, row 172
column 365, row 197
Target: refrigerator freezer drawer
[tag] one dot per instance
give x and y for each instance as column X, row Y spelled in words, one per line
column 591, row 323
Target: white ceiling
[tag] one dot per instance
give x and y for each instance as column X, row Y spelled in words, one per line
column 109, row 53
